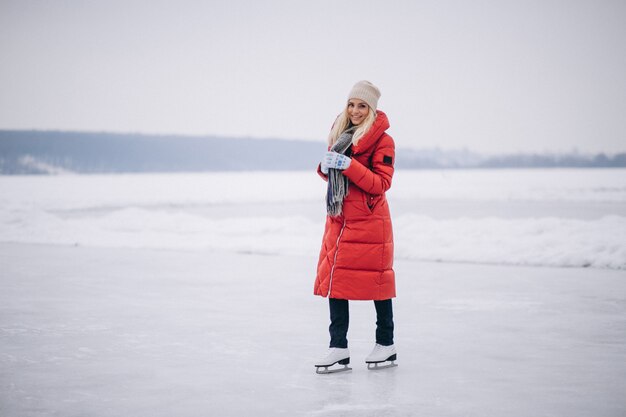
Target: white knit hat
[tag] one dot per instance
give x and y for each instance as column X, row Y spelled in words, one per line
column 366, row 91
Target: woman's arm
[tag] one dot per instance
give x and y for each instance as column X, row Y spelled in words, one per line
column 376, row 180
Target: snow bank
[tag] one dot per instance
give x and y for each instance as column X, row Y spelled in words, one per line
column 532, row 241
column 282, row 214
column 140, row 228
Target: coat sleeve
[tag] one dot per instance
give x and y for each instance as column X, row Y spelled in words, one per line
column 320, row 173
column 376, row 180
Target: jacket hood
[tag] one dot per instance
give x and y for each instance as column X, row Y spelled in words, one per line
column 380, row 125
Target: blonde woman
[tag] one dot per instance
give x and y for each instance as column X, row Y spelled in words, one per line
column 356, row 258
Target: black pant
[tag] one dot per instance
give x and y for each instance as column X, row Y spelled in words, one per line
column 340, row 319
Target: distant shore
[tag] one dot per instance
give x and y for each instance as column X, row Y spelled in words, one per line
column 58, row 152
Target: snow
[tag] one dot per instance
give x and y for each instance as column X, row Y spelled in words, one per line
column 191, row 294
column 557, row 218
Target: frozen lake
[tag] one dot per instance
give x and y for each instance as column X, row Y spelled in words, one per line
column 191, row 294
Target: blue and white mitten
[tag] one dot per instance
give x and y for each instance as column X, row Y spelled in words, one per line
column 334, row 160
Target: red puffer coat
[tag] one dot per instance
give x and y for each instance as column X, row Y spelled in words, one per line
column 356, row 259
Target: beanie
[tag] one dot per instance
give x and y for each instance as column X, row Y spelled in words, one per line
column 366, row 91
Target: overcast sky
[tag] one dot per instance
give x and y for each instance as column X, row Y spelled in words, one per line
column 492, row 76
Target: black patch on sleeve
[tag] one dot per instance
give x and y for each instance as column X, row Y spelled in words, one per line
column 387, row 160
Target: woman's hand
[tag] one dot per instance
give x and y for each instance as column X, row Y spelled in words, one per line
column 334, row 160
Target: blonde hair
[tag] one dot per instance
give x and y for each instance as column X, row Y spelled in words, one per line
column 342, row 122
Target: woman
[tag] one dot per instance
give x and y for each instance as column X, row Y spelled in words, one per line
column 356, row 259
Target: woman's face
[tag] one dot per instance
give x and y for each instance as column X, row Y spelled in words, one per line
column 357, row 110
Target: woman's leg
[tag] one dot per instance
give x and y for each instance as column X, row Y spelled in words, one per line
column 384, row 322
column 339, row 320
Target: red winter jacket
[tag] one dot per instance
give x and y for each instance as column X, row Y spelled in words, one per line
column 356, row 259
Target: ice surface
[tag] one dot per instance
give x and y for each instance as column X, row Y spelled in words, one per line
column 140, row 332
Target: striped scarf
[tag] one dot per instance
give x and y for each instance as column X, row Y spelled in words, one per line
column 337, row 182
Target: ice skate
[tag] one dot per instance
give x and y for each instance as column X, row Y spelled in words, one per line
column 333, row 356
column 381, row 357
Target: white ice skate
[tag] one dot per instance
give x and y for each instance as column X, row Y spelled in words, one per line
column 381, row 357
column 333, row 356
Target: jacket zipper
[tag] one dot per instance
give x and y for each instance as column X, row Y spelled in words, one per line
column 332, row 270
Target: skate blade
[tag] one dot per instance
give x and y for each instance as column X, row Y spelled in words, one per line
column 324, row 369
column 375, row 366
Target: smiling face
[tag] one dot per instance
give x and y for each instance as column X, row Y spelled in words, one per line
column 357, row 111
